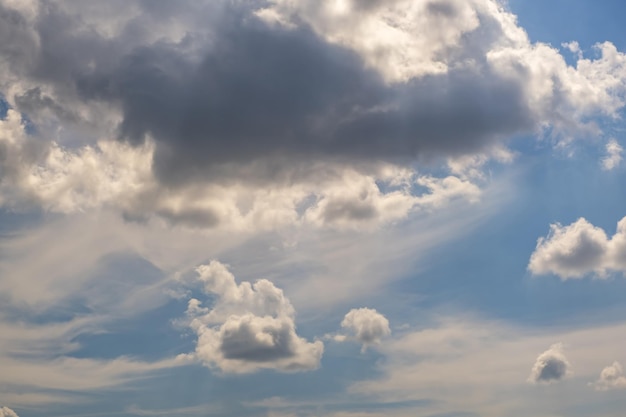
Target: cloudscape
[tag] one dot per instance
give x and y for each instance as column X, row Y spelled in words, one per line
column 312, row 208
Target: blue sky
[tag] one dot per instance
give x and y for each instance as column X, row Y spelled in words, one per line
column 312, row 209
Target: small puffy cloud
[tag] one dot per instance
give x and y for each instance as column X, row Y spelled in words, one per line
column 613, row 156
column 7, row 412
column 611, row 377
column 365, row 325
column 573, row 47
column 570, row 251
column 249, row 326
column 551, row 366
column 579, row 249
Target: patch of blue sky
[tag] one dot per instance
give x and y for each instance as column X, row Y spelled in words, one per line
column 4, row 107
column 149, row 335
column 215, row 394
column 17, row 222
column 584, row 21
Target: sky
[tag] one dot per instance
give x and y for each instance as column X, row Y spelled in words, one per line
column 312, row 208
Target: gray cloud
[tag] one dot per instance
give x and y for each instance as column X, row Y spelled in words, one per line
column 240, row 341
column 232, row 88
column 551, row 366
column 262, row 92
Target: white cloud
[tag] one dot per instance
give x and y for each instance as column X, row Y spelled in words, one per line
column 366, row 325
column 613, row 156
column 611, row 377
column 7, row 412
column 551, row 366
column 570, row 251
column 573, row 47
column 404, row 40
column 249, row 327
column 579, row 249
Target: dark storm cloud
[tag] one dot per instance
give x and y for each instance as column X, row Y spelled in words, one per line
column 258, row 92
column 263, row 92
column 251, row 92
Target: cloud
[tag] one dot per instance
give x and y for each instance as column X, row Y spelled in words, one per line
column 215, row 86
column 111, row 174
column 579, row 249
column 260, row 124
column 249, row 327
column 613, row 156
column 7, row 412
column 366, row 325
column 551, row 366
column 611, row 377
column 570, row 251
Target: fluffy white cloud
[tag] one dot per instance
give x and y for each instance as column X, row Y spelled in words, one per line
column 405, row 40
column 365, row 325
column 249, row 327
column 7, row 412
column 611, row 377
column 551, row 366
column 613, row 156
column 67, row 180
column 570, row 251
column 579, row 249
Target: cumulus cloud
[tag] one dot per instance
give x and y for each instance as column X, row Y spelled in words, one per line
column 611, row 377
column 551, row 366
column 7, row 412
column 365, row 325
column 579, row 249
column 613, row 156
column 254, row 115
column 248, row 327
column 570, row 251
column 274, row 85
